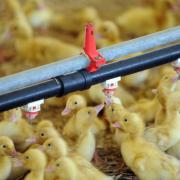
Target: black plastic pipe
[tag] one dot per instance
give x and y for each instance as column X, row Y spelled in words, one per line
column 82, row 80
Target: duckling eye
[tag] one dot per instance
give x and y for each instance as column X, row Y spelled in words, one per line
column 4, row 146
column 57, row 164
column 75, row 102
column 49, row 145
column 27, row 157
column 89, row 112
column 42, row 134
column 125, row 120
column 112, row 109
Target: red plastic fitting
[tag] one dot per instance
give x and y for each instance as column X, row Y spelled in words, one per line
column 96, row 59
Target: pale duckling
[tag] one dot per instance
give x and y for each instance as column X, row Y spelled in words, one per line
column 38, row 14
column 166, row 134
column 141, row 156
column 43, row 49
column 35, row 161
column 66, row 168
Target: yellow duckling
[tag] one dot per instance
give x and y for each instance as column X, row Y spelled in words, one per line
column 16, row 128
column 74, row 103
column 140, row 21
column 57, row 148
column 166, row 134
column 12, row 115
column 35, row 161
column 108, row 34
column 146, row 108
column 44, row 132
column 112, row 113
column 164, row 89
column 142, row 157
column 75, row 125
column 66, row 168
column 86, row 144
column 38, row 50
column 6, row 148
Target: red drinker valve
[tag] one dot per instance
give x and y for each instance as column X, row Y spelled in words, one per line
column 96, row 59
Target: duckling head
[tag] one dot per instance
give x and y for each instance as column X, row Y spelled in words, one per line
column 166, row 86
column 64, row 168
column 20, row 29
column 113, row 112
column 6, row 146
column 34, row 159
column 130, row 124
column 44, row 123
column 55, row 147
column 109, row 30
column 74, row 102
column 88, row 15
column 45, row 133
column 13, row 115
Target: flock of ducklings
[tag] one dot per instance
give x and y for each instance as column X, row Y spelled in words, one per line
column 143, row 120
column 147, row 133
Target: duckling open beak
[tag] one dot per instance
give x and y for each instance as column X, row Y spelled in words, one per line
column 66, row 111
column 116, row 125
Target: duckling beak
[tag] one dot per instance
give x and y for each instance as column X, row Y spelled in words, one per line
column 99, row 107
column 116, row 125
column 175, row 78
column 154, row 91
column 31, row 140
column 14, row 153
column 41, row 148
column 49, row 169
column 66, row 111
